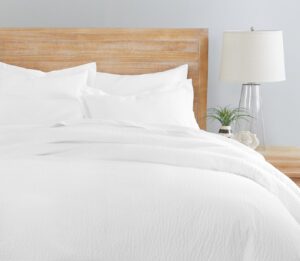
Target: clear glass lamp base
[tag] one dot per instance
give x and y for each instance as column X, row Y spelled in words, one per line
column 251, row 102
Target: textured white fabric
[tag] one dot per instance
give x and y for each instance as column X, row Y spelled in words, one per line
column 171, row 104
column 45, row 99
column 133, row 84
column 27, row 101
column 90, row 67
column 105, row 191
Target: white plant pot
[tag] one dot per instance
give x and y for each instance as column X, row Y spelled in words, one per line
column 226, row 131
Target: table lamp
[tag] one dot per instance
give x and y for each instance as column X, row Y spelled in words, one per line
column 251, row 58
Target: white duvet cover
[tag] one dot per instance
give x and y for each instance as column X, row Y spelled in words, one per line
column 98, row 191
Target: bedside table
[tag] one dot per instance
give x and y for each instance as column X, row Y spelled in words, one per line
column 286, row 159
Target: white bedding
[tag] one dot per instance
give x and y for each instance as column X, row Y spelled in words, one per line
column 96, row 190
column 30, row 96
column 170, row 104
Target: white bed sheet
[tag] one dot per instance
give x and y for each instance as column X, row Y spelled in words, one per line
column 95, row 190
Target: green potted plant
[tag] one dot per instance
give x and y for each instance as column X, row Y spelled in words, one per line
column 227, row 116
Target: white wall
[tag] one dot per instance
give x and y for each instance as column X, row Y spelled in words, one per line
column 281, row 100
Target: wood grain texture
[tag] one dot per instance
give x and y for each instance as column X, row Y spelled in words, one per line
column 122, row 51
column 286, row 159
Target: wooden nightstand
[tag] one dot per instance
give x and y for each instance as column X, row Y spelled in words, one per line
column 286, row 159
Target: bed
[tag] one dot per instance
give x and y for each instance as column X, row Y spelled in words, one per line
column 93, row 189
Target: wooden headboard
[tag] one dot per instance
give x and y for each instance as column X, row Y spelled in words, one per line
column 123, row 51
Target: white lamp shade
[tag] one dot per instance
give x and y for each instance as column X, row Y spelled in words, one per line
column 252, row 57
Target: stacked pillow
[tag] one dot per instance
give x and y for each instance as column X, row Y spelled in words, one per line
column 171, row 104
column 116, row 84
column 34, row 97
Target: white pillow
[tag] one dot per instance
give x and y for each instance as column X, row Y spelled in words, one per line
column 169, row 105
column 134, row 84
column 26, row 98
column 90, row 67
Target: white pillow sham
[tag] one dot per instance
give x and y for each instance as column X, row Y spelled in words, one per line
column 26, row 98
column 169, row 105
column 134, row 84
column 90, row 67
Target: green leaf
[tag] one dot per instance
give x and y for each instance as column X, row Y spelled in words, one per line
column 227, row 115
